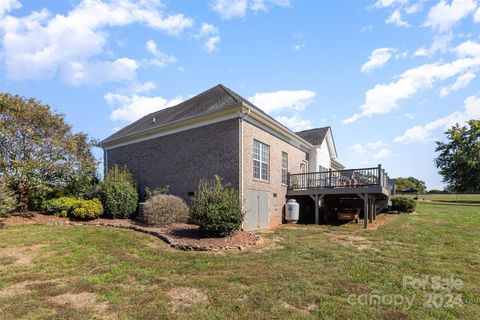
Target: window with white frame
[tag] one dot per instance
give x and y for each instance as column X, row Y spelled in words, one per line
column 261, row 159
column 284, row 167
column 303, row 167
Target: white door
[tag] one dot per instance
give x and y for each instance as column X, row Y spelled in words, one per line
column 258, row 211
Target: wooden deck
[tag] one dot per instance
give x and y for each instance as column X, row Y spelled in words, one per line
column 368, row 184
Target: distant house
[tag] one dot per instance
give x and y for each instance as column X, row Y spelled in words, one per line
column 219, row 132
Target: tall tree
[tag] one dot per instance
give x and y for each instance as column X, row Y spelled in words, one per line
column 410, row 183
column 38, row 151
column 459, row 157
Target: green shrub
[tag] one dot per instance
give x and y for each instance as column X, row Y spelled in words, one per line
column 149, row 193
column 118, row 193
column 163, row 209
column 87, row 209
column 216, row 208
column 62, row 206
column 403, row 204
column 8, row 203
column 74, row 207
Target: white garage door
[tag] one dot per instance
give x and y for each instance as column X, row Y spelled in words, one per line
column 258, row 210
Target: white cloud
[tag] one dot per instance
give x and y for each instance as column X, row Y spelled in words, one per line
column 161, row 59
column 283, row 99
column 396, row 19
column 383, row 98
column 295, row 123
column 377, row 149
column 211, row 44
column 142, row 87
column 98, row 72
column 422, row 134
column 228, row 9
column 209, row 33
column 41, row 45
column 444, row 16
column 440, row 43
column 132, row 107
column 414, row 8
column 366, row 28
column 468, row 49
column 298, row 47
column 476, row 16
column 376, row 145
column 261, row 5
column 421, row 52
column 378, row 58
column 461, row 82
column 9, row 5
column 388, row 3
column 358, row 148
column 207, row 29
column 383, row 153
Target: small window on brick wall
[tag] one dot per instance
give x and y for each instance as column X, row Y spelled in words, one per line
column 261, row 160
column 284, row 167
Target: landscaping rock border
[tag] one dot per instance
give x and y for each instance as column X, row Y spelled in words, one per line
column 159, row 232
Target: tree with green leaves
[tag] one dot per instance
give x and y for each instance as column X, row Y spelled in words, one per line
column 7, row 199
column 459, row 157
column 39, row 154
column 410, row 183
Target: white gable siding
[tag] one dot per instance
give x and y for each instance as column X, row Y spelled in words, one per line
column 323, row 156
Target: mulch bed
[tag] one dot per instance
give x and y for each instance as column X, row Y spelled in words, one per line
column 179, row 236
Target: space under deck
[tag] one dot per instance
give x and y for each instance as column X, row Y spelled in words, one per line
column 372, row 185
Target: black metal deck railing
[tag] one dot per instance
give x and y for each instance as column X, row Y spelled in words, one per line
column 346, row 178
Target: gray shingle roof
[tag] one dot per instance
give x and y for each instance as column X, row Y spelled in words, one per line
column 212, row 100
column 314, row 136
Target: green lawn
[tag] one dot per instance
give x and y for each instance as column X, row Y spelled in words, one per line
column 312, row 273
column 456, row 198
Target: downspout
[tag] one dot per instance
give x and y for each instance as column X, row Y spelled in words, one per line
column 242, row 113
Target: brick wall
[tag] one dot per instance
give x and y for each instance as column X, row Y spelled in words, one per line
column 274, row 185
column 181, row 159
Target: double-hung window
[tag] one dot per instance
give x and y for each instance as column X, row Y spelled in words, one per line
column 284, row 167
column 261, row 160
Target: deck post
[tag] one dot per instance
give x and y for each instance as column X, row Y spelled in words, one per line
column 330, row 177
column 374, row 211
column 317, row 217
column 379, row 177
column 365, row 210
column 370, row 213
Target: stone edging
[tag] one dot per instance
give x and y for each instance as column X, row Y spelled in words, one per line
column 170, row 241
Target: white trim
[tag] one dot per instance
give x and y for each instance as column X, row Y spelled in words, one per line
column 172, row 131
column 295, row 143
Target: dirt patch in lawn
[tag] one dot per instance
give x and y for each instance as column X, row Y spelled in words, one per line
column 356, row 241
column 304, row 311
column 84, row 300
column 185, row 297
column 21, row 256
column 21, row 288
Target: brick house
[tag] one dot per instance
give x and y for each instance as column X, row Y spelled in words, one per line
column 219, row 132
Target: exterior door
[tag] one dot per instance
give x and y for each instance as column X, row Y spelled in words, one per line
column 258, row 211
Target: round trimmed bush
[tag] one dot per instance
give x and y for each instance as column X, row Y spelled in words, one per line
column 403, row 204
column 118, row 193
column 88, row 210
column 62, row 206
column 216, row 208
column 163, row 209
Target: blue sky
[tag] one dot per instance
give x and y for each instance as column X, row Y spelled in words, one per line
column 389, row 76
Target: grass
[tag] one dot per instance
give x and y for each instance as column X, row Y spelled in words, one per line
column 307, row 276
column 456, row 198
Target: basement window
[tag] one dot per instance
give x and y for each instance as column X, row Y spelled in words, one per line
column 261, row 160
